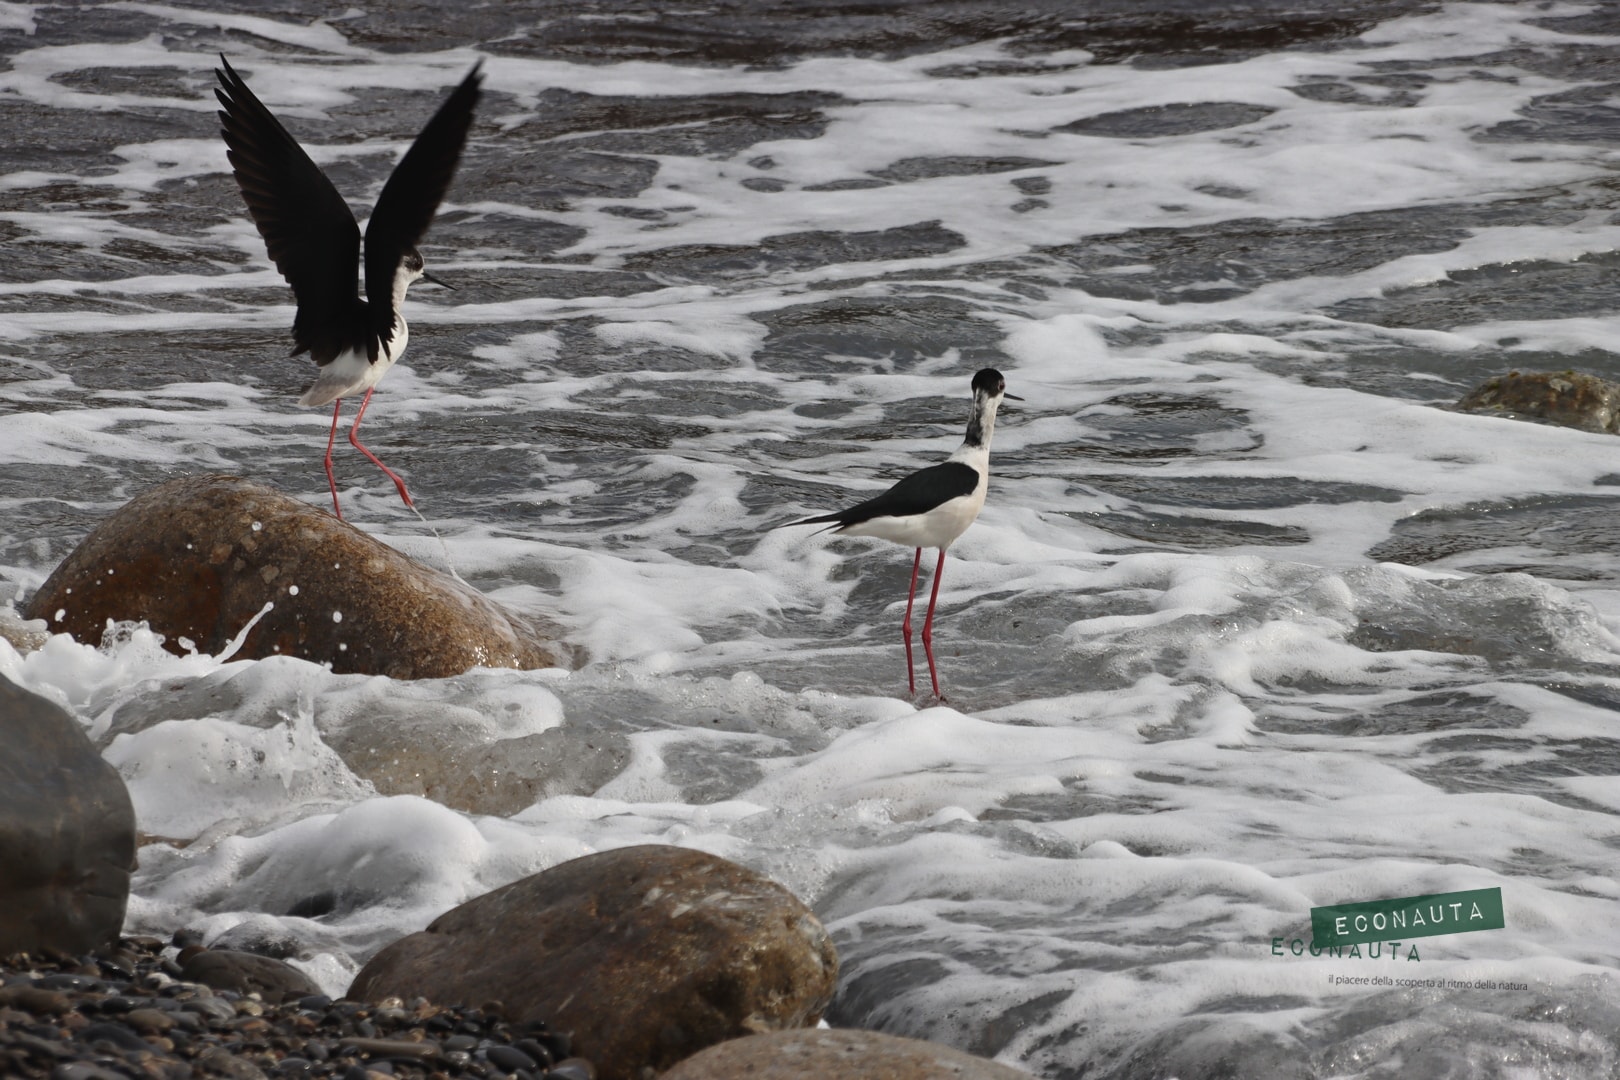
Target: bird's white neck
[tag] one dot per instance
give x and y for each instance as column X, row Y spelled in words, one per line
column 395, row 345
column 982, row 422
column 975, row 449
column 403, row 276
column 394, row 341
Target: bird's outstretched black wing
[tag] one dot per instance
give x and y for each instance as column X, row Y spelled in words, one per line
column 409, row 199
column 308, row 229
column 915, row 494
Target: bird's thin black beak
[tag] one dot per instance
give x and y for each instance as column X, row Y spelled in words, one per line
column 1009, row 397
column 431, row 280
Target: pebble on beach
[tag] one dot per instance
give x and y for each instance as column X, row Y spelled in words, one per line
column 128, row 1013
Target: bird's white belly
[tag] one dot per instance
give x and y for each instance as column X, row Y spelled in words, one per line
column 352, row 372
column 938, row 528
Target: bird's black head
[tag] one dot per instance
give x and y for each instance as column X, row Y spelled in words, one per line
column 989, row 381
column 414, row 269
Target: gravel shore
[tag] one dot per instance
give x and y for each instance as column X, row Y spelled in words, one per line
column 127, row 1014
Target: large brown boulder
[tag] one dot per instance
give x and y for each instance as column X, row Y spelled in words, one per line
column 647, row 954
column 1565, row 398
column 847, row 1055
column 197, row 559
column 67, row 832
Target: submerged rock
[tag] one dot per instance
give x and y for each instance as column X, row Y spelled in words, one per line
column 24, row 635
column 201, row 558
column 848, row 1055
column 648, row 954
column 67, row 832
column 1566, row 398
column 1217, row 1048
column 465, row 743
column 443, row 764
column 247, row 973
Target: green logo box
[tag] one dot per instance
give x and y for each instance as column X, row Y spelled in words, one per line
column 1407, row 917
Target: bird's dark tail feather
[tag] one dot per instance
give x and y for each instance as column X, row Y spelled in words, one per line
column 832, row 521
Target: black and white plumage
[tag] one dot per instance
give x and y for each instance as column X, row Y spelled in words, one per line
column 931, row 508
column 312, row 237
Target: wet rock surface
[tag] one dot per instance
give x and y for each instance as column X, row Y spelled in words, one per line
column 500, row 777
column 1154, row 121
column 1565, row 398
column 647, row 954
column 129, row 1012
column 479, row 754
column 198, row 559
column 273, row 980
column 67, row 831
column 24, row 635
column 850, row 1055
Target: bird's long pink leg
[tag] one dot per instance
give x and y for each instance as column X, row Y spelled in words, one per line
column 331, row 438
column 905, row 627
column 354, row 437
column 928, row 623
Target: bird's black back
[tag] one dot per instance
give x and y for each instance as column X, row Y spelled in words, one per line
column 918, row 493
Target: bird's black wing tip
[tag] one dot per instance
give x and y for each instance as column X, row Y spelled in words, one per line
column 474, row 79
column 835, row 522
column 832, row 521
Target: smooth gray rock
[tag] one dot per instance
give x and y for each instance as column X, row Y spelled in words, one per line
column 247, row 973
column 67, row 832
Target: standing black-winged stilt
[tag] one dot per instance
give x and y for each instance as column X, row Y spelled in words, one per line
column 931, row 508
column 313, row 239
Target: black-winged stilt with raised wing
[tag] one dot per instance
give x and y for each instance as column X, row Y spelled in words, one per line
column 931, row 508
column 313, row 239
